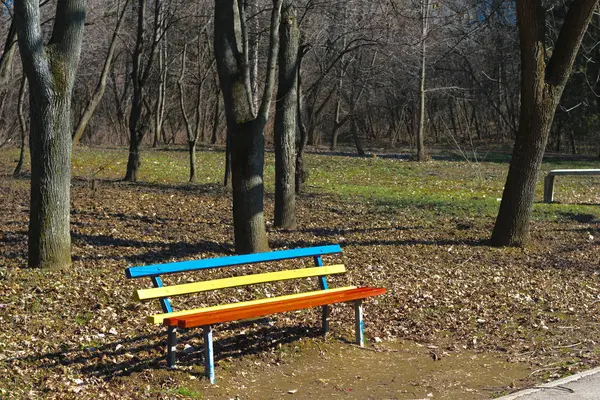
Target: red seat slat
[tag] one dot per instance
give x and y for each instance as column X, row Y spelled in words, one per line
column 244, row 312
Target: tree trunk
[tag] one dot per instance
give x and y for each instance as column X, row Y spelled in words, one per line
column 22, row 126
column 139, row 77
column 227, row 173
column 133, row 160
column 357, row 139
column 542, row 85
column 421, row 154
column 285, row 120
column 215, row 122
column 335, row 131
column 192, row 134
column 163, row 74
column 247, row 164
column 192, row 151
column 245, row 128
column 50, row 70
column 301, row 171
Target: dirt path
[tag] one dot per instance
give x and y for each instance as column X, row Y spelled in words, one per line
column 313, row 369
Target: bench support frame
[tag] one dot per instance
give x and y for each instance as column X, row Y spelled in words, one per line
column 325, row 310
column 549, row 188
column 209, row 354
column 171, row 346
column 155, row 271
column 359, row 325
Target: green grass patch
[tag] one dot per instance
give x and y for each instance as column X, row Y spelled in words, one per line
column 457, row 187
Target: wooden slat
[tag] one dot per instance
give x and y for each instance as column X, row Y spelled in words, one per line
column 196, row 287
column 158, row 318
column 245, row 312
column 194, row 265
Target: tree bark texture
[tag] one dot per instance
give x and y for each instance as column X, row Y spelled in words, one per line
column 50, row 70
column 285, row 120
column 245, row 130
column 301, row 170
column 542, row 85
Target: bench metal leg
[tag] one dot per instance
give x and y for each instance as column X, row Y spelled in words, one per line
column 209, row 360
column 549, row 188
column 359, row 326
column 324, row 319
column 171, row 346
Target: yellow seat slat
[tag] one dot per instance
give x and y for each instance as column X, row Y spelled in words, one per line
column 158, row 318
column 196, row 287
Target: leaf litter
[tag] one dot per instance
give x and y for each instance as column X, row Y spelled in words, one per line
column 80, row 334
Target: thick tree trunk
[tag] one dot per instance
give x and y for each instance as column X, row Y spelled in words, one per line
column 542, row 85
column 50, row 70
column 133, row 160
column 512, row 224
column 247, row 164
column 285, row 120
column 50, row 146
column 245, row 128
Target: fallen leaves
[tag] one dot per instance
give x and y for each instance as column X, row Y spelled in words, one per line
column 445, row 287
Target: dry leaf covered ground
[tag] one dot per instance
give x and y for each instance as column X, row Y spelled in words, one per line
column 460, row 319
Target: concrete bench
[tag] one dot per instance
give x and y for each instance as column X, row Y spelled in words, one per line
column 207, row 317
column 549, row 179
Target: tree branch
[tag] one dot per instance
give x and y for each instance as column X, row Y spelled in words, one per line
column 263, row 113
column 567, row 45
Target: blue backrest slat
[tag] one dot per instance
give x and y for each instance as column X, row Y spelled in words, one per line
column 165, row 304
column 194, row 265
column 322, row 279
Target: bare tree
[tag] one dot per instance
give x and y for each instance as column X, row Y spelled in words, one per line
column 50, row 70
column 143, row 59
column 101, row 86
column 245, row 128
column 543, row 80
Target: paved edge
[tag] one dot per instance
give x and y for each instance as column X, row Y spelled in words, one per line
column 559, row 382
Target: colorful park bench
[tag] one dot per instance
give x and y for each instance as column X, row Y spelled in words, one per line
column 206, row 317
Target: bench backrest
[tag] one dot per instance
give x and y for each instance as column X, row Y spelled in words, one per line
column 161, row 292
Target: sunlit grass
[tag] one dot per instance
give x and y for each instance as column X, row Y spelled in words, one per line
column 457, row 188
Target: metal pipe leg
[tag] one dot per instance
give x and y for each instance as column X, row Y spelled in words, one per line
column 171, row 346
column 359, row 326
column 549, row 188
column 209, row 360
column 324, row 319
